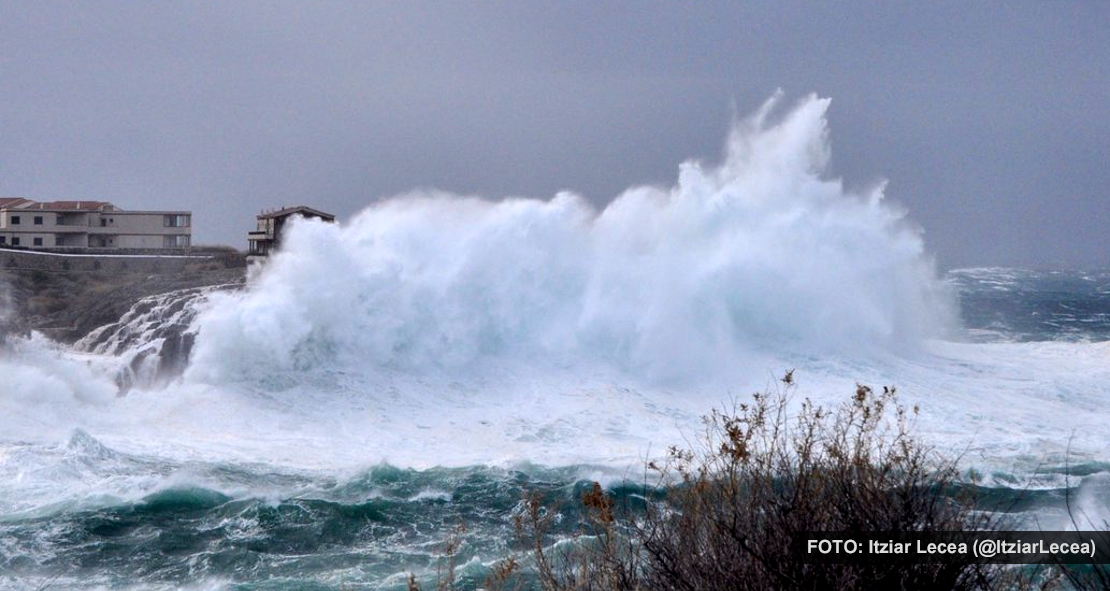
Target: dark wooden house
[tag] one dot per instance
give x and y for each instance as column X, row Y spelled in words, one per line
column 266, row 238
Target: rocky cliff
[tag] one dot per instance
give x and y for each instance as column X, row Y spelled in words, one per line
column 67, row 304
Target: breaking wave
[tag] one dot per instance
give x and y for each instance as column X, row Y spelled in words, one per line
column 437, row 329
column 763, row 252
column 379, row 382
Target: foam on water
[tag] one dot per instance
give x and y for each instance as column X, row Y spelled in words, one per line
column 762, row 252
column 492, row 338
column 46, row 390
column 436, row 329
column 477, row 330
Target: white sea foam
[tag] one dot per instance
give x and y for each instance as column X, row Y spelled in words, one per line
column 761, row 253
column 440, row 329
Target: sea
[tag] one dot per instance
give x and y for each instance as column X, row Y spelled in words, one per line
column 388, row 387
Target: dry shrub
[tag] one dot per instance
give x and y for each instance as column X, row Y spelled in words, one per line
column 733, row 502
column 603, row 556
column 761, row 477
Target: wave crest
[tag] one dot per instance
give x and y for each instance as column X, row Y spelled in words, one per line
column 763, row 252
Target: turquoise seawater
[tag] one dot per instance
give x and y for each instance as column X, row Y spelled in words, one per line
column 224, row 525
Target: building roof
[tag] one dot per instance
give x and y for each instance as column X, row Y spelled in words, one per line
column 27, row 204
column 11, row 201
column 301, row 209
column 73, row 206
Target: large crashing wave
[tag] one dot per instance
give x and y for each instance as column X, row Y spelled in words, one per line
column 763, row 252
column 435, row 329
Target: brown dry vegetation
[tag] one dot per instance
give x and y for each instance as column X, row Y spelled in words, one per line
column 732, row 502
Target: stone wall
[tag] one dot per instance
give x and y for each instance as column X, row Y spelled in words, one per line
column 25, row 260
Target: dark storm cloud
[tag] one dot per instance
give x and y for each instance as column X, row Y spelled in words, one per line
column 991, row 120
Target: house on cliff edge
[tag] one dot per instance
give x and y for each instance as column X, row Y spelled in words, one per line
column 89, row 225
column 266, row 238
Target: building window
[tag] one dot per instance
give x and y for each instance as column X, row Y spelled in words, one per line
column 38, row 220
column 175, row 242
column 36, row 241
column 103, row 222
column 15, row 240
column 15, row 220
column 175, row 221
column 3, row 239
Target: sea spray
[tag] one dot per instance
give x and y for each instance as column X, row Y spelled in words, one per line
column 436, row 329
column 7, row 313
column 439, row 356
column 153, row 339
column 763, row 252
column 46, row 392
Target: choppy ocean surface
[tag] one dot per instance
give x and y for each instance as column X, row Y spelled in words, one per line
column 383, row 383
column 1028, row 306
column 78, row 514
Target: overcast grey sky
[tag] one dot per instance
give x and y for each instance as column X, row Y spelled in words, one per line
column 990, row 119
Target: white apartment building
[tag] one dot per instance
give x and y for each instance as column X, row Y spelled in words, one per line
column 89, row 225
